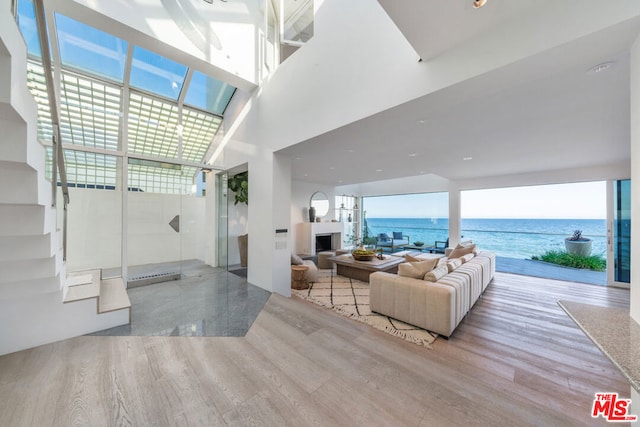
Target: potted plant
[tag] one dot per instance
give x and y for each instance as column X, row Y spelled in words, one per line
column 578, row 245
column 239, row 184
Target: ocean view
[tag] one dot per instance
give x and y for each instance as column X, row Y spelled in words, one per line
column 514, row 238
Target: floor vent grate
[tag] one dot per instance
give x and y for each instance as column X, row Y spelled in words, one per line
column 150, row 279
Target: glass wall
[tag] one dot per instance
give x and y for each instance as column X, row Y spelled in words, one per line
column 422, row 218
column 521, row 222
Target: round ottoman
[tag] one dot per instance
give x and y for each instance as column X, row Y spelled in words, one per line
column 342, row 251
column 323, row 259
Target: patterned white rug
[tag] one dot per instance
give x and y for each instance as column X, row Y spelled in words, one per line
column 350, row 297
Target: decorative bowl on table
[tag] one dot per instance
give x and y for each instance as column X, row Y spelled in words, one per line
column 418, row 243
column 363, row 254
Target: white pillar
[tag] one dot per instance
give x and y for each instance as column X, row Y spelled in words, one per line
column 269, row 258
column 454, row 216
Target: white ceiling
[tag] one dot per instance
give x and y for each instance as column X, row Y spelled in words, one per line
column 545, row 112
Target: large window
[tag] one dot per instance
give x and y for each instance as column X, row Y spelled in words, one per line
column 422, row 217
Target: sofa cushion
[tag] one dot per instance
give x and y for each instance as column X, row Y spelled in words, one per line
column 461, row 250
column 296, row 260
column 410, row 258
column 418, row 269
column 437, row 273
column 397, row 235
column 383, row 237
column 452, row 264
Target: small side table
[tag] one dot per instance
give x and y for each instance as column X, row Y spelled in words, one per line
column 299, row 277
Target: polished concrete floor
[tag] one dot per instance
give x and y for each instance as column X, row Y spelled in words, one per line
column 207, row 301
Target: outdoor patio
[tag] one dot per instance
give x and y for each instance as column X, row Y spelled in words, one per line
column 545, row 270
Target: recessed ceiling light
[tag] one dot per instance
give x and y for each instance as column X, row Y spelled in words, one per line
column 378, row 170
column 467, row 158
column 331, row 168
column 350, row 151
column 420, row 121
column 477, row 4
column 412, row 155
column 339, row 181
column 298, row 158
column 600, row 67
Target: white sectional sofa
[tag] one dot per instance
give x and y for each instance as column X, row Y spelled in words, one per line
column 436, row 306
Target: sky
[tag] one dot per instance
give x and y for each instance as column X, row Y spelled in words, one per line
column 572, row 201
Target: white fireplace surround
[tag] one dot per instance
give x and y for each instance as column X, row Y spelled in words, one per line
column 307, row 232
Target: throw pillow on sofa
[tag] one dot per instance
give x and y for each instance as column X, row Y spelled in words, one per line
column 437, row 273
column 467, row 257
column 453, row 263
column 461, row 250
column 397, row 235
column 416, row 270
column 296, row 260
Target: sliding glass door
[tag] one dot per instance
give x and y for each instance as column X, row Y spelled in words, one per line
column 619, row 234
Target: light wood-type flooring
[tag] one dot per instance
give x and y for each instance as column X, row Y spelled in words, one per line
column 516, row 360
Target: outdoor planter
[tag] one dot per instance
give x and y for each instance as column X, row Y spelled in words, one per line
column 578, row 245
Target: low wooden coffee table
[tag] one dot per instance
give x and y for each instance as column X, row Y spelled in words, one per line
column 348, row 267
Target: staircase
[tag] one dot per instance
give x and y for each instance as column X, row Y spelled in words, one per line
column 36, row 304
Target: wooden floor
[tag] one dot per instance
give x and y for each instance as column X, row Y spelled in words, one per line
column 516, row 360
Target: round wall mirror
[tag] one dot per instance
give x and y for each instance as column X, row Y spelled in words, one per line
column 320, row 202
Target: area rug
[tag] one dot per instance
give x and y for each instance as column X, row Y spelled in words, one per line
column 350, row 298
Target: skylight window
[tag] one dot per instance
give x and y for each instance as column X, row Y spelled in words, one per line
column 157, row 177
column 38, row 88
column 153, row 126
column 28, row 27
column 86, row 48
column 209, row 94
column 89, row 112
column 157, row 74
column 198, row 130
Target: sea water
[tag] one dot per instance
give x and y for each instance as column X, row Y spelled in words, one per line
column 514, row 238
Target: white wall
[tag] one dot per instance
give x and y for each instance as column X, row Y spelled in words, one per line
column 95, row 228
column 328, row 82
column 635, row 181
column 94, row 236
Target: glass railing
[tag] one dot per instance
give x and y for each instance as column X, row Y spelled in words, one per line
column 495, row 236
column 58, row 155
column 524, row 245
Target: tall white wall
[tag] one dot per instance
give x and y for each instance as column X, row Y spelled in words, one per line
column 95, row 228
column 635, row 181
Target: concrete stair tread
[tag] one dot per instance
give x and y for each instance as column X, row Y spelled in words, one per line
column 113, row 295
column 79, row 288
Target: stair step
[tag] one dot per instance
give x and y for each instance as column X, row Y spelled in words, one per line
column 82, row 285
column 28, row 269
column 26, row 247
column 27, row 288
column 113, row 295
column 26, row 220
